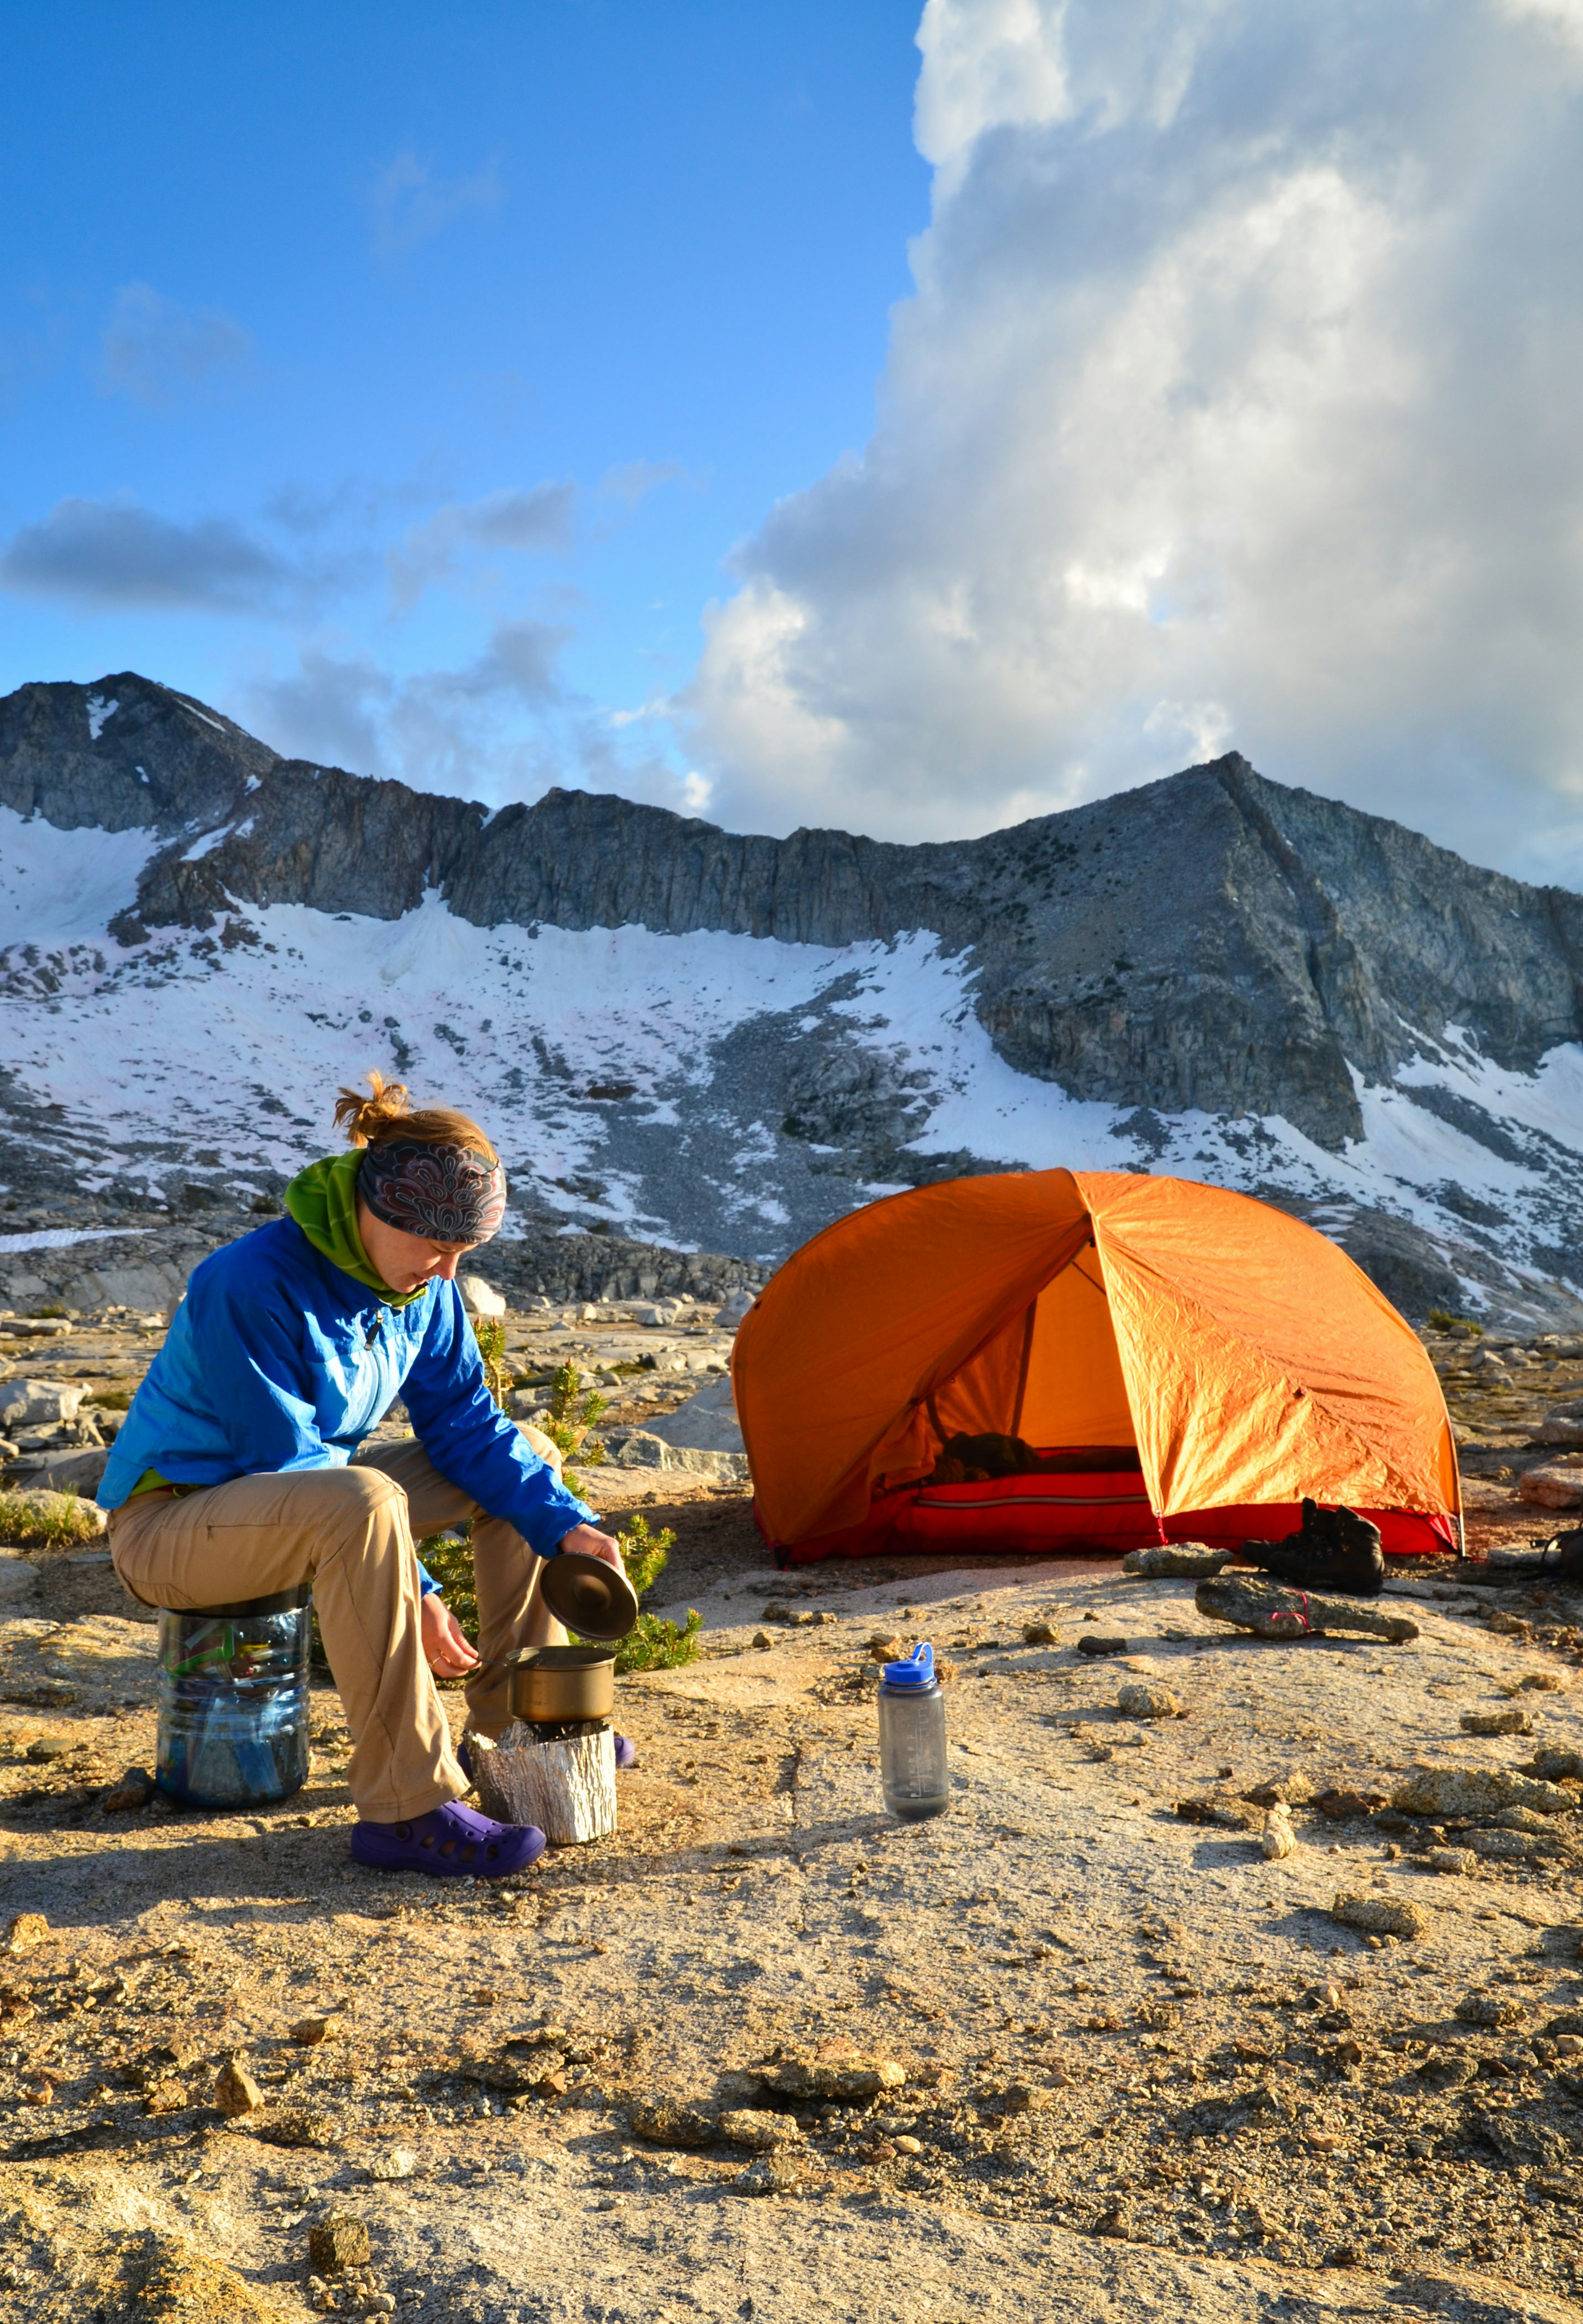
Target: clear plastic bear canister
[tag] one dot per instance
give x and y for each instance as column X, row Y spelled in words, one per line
column 912, row 1738
column 233, row 1693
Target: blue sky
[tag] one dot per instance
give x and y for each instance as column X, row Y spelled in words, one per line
column 283, row 285
column 906, row 418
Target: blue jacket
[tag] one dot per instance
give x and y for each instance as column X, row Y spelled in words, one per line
column 277, row 1360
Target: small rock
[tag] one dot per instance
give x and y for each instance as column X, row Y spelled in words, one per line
column 235, row 2091
column 1277, row 1839
column 777, row 1612
column 1116, row 2222
column 1040, row 1634
column 907, row 2145
column 886, row 1650
column 337, row 2243
column 1540, row 1683
column 301, row 2127
column 1023, row 2097
column 1551, row 1487
column 310, row 2031
column 759, row 2129
column 165, row 2095
column 1475, row 1792
column 1140, row 1701
column 1490, row 2009
column 49, row 1746
column 1186, row 1561
column 1453, row 1860
column 25, row 1932
column 1496, row 1722
column 1098, row 1643
column 1219, row 1809
column 772, row 2176
column 1505, row 1847
column 665, row 2124
column 1378, row 1915
column 843, row 2079
column 1447, row 2073
column 133, row 1790
column 398, row 2163
column 762, row 1640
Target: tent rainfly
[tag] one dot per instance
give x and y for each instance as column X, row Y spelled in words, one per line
column 1172, row 1363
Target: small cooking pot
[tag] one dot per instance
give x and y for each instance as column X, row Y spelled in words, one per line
column 558, row 1684
column 593, row 1599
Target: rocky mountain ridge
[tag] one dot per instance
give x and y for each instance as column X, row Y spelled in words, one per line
column 1218, row 971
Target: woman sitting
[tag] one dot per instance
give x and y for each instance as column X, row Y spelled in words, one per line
column 239, row 1471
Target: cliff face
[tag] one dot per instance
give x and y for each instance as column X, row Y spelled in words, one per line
column 1212, row 944
column 1213, row 941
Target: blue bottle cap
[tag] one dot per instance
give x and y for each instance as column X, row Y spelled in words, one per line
column 918, row 1670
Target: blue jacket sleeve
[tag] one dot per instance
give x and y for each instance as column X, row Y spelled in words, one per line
column 470, row 1440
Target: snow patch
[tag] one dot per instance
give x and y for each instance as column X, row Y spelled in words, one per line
column 98, row 710
column 60, row 1238
column 61, row 887
column 206, row 844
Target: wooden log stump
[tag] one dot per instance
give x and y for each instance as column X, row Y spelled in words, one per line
column 566, row 1785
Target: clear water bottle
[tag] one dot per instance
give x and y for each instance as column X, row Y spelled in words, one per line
column 912, row 1738
column 234, row 1701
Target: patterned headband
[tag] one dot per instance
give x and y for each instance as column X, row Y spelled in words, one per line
column 445, row 1193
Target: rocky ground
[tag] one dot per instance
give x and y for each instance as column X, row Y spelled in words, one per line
column 1068, row 2052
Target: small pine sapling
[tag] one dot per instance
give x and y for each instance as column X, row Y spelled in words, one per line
column 573, row 1415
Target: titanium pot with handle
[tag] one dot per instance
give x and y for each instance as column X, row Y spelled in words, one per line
column 551, row 1685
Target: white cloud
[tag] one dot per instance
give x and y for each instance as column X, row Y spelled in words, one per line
column 503, row 726
column 530, row 522
column 119, row 554
column 409, row 204
column 157, row 351
column 1235, row 405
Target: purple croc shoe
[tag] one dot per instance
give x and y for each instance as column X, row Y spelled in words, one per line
column 452, row 1842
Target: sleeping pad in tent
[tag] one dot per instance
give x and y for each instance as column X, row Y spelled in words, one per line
column 1059, row 1359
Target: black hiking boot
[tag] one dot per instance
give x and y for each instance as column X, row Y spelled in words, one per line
column 1332, row 1549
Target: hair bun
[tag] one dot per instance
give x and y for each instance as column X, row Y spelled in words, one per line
column 365, row 1119
column 386, row 1113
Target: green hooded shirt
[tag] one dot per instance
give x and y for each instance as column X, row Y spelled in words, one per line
column 323, row 1200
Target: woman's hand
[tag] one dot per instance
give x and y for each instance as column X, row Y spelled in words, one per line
column 589, row 1542
column 445, row 1646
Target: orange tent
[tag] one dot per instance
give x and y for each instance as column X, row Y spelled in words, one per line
column 1188, row 1363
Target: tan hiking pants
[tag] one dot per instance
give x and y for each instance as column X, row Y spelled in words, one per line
column 350, row 1532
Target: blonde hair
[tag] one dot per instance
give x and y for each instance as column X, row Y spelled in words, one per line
column 388, row 1113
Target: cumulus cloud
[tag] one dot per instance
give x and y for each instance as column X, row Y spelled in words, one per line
column 504, row 725
column 157, row 351
column 408, row 204
column 534, row 523
column 118, row 554
column 638, row 478
column 1235, row 404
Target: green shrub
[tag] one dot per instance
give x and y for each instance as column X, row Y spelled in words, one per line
column 46, row 1521
column 572, row 1416
column 113, row 1399
column 1441, row 1319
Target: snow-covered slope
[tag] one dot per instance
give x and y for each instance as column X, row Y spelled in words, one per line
column 706, row 1088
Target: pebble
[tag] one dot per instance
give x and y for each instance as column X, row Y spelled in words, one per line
column 49, row 1746
column 1455, row 1860
column 235, row 2091
column 132, row 1791
column 1187, row 1561
column 758, row 2127
column 1496, row 1722
column 338, row 2242
column 772, row 2176
column 1379, row 1914
column 762, row 1641
column 1277, row 1839
column 1040, row 1634
column 24, row 1930
column 399, row 2163
column 1097, row 1643
column 1490, row 2009
column 310, row 2030
column 669, row 2124
column 1139, row 1701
